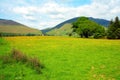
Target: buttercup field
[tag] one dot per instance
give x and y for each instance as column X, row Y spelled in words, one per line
column 64, row 58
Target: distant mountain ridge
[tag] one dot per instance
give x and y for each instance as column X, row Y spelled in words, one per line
column 10, row 26
column 102, row 22
column 8, row 22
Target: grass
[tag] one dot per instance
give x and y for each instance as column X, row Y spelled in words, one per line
column 14, row 65
column 65, row 30
column 4, row 46
column 66, row 58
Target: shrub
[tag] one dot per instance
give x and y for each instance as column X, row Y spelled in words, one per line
column 19, row 56
column 98, row 35
column 34, row 63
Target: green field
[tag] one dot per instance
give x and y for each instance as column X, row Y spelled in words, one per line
column 64, row 58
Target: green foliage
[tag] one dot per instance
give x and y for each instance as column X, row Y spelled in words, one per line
column 30, row 34
column 0, row 35
column 114, row 29
column 97, row 35
column 17, row 34
column 86, row 28
column 117, row 32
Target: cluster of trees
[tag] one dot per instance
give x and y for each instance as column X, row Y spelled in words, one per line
column 114, row 29
column 17, row 34
column 87, row 28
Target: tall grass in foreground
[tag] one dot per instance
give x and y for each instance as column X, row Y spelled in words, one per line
column 17, row 56
column 14, row 59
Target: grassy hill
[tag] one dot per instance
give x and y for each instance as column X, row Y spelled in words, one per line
column 102, row 22
column 9, row 26
column 62, row 31
column 64, row 58
column 67, row 29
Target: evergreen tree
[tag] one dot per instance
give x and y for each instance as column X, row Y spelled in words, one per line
column 111, row 29
column 116, row 23
column 0, row 34
column 114, row 29
column 117, row 33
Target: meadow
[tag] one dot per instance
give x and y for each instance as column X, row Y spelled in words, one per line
column 64, row 58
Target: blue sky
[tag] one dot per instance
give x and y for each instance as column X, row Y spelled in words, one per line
column 43, row 14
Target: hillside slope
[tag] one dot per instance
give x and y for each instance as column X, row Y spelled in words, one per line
column 9, row 26
column 102, row 22
column 65, row 28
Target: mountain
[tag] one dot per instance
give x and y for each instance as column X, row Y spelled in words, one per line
column 65, row 27
column 9, row 22
column 102, row 22
column 12, row 27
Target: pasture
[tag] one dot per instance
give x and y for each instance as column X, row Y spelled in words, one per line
column 64, row 58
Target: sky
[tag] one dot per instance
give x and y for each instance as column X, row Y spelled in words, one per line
column 42, row 14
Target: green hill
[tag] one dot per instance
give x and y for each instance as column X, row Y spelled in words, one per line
column 66, row 29
column 102, row 22
column 12, row 27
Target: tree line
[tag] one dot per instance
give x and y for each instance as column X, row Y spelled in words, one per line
column 18, row 34
column 90, row 29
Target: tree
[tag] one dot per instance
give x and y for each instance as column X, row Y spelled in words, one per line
column 116, row 23
column 117, row 32
column 114, row 29
column 86, row 28
column 0, row 35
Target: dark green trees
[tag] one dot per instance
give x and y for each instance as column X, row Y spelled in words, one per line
column 0, row 35
column 87, row 28
column 114, row 29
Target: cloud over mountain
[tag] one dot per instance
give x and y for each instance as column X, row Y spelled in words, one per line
column 48, row 13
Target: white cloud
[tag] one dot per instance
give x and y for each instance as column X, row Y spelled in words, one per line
column 25, row 10
column 46, row 24
column 29, row 17
column 52, row 13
